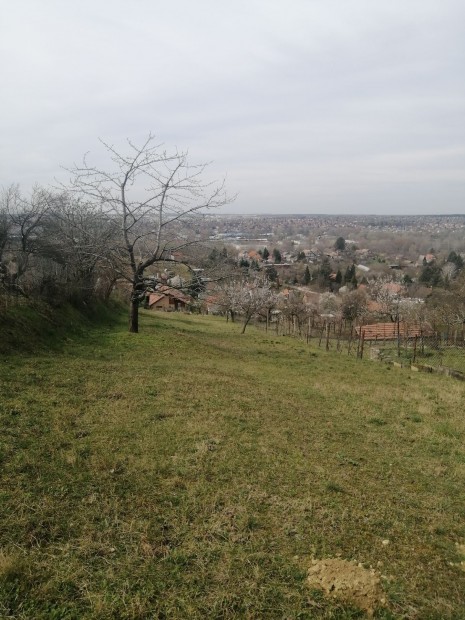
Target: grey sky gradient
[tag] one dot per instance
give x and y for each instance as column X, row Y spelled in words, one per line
column 308, row 106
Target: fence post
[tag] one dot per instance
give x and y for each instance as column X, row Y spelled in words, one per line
column 398, row 336
column 328, row 329
column 350, row 339
column 415, row 348
column 362, row 344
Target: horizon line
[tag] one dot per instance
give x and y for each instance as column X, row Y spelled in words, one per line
column 268, row 214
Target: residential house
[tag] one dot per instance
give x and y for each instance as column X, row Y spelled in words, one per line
column 167, row 299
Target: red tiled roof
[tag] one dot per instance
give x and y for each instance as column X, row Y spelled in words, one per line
column 154, row 298
column 172, row 292
column 390, row 331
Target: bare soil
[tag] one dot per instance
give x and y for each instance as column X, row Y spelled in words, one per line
column 348, row 582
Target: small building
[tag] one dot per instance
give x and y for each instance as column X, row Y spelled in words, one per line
column 425, row 259
column 167, row 299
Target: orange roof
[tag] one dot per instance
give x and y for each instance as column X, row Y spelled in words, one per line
column 154, row 298
column 167, row 290
column 390, row 331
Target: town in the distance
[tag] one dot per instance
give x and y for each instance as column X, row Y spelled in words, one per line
column 361, row 268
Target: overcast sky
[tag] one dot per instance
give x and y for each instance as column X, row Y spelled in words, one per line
column 308, row 106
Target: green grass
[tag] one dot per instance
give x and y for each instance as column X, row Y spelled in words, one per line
column 29, row 325
column 453, row 358
column 191, row 472
column 450, row 357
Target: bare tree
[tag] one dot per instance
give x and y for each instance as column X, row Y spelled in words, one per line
column 79, row 238
column 414, row 311
column 388, row 293
column 354, row 305
column 294, row 308
column 21, row 237
column 5, row 227
column 447, row 307
column 229, row 297
column 247, row 298
column 152, row 195
column 448, row 272
column 254, row 298
column 329, row 304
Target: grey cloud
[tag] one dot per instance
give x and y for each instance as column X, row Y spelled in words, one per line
column 329, row 105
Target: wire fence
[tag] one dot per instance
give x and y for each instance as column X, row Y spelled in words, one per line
column 445, row 349
column 437, row 350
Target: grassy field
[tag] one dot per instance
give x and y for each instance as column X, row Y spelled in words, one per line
column 451, row 357
column 190, row 472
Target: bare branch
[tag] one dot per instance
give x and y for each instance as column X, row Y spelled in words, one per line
column 148, row 192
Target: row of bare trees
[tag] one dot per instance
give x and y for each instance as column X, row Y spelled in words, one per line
column 384, row 299
column 248, row 298
column 107, row 224
column 388, row 299
column 52, row 246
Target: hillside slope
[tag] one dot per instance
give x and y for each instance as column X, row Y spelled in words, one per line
column 191, row 472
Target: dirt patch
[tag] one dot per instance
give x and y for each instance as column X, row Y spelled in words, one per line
column 349, row 582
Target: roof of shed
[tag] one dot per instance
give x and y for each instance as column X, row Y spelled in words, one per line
column 390, row 331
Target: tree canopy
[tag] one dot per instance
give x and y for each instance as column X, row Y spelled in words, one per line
column 340, row 244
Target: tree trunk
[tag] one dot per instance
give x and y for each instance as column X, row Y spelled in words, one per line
column 134, row 316
column 245, row 324
column 109, row 289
